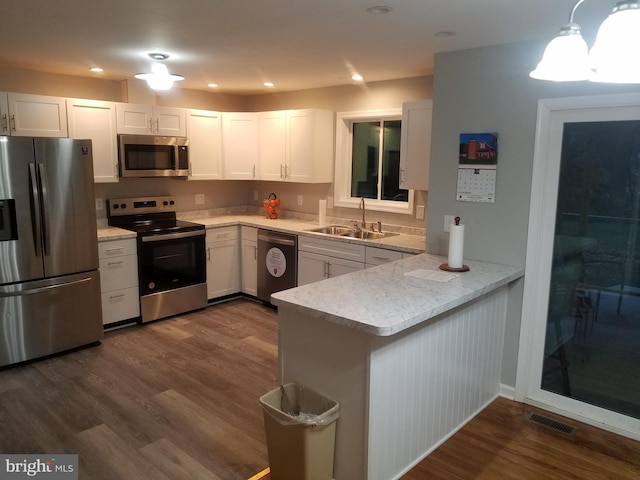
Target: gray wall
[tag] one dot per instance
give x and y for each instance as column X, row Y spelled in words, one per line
column 489, row 90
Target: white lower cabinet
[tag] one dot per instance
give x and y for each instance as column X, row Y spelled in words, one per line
column 223, row 262
column 119, row 280
column 249, row 257
column 323, row 258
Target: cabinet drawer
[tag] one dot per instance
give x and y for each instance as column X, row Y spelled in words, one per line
column 118, row 272
column 114, row 248
column 219, row 234
column 333, row 248
column 378, row 256
column 249, row 233
column 120, row 305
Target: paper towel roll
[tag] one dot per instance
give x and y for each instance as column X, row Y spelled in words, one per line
column 322, row 212
column 456, row 246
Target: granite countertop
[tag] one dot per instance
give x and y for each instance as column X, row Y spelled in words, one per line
column 384, row 300
column 403, row 242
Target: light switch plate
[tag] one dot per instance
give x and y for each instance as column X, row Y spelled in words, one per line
column 199, row 198
column 299, row 199
column 448, row 221
column 419, row 212
column 99, row 204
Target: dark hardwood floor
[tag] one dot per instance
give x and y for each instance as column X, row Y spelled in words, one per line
column 178, row 399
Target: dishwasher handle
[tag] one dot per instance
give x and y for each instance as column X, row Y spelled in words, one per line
column 276, row 240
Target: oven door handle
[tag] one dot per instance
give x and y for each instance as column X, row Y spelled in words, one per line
column 171, row 236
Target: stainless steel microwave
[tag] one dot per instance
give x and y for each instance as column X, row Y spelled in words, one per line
column 153, row 156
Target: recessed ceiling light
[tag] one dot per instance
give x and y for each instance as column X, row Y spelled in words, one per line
column 97, row 70
column 269, row 84
column 379, row 10
column 357, row 77
column 212, row 85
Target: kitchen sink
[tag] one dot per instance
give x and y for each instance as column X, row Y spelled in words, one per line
column 367, row 234
column 344, row 231
column 332, row 230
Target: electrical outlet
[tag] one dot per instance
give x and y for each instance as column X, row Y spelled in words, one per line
column 329, row 202
column 99, row 204
column 299, row 199
column 255, row 194
column 448, row 221
column 199, row 198
column 419, row 212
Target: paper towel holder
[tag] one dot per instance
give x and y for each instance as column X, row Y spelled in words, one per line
column 447, row 268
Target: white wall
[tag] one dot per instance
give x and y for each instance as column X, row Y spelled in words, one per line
column 489, row 90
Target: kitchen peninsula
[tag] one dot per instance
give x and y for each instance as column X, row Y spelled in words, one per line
column 410, row 352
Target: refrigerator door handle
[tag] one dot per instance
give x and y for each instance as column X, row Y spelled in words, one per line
column 36, row 223
column 48, row 288
column 45, row 208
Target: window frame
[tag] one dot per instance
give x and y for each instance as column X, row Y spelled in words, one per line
column 343, row 163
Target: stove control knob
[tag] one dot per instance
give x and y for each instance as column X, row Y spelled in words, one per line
column 116, row 206
column 152, row 285
column 123, row 205
column 165, row 203
column 171, row 202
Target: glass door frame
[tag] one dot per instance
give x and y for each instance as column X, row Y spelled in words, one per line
column 552, row 115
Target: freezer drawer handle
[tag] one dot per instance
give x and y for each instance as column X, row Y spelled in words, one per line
column 171, row 236
column 34, row 291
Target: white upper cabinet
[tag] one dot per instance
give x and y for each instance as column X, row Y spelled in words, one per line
column 148, row 120
column 32, row 115
column 297, row 146
column 240, row 145
column 415, row 147
column 96, row 121
column 205, row 144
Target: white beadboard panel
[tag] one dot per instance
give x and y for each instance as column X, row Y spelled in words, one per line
column 426, row 383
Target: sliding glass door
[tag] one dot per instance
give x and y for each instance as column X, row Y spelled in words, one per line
column 584, row 261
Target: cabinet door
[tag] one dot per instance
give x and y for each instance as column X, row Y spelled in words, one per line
column 415, row 149
column 249, row 267
column 240, row 145
column 272, row 146
column 310, row 146
column 96, row 120
column 223, row 262
column 300, row 144
column 339, row 266
column 37, row 115
column 134, row 119
column 205, row 144
column 311, row 268
column 169, row 121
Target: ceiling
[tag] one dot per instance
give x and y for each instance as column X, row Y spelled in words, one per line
column 296, row 44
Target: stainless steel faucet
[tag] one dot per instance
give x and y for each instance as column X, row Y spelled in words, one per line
column 364, row 223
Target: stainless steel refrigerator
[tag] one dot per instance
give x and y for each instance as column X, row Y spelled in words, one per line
column 49, row 279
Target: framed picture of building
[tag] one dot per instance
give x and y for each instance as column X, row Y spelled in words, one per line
column 477, row 167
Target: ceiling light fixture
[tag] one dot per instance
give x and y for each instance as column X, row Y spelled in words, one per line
column 612, row 59
column 159, row 78
column 96, row 70
column 269, row 84
column 357, row 77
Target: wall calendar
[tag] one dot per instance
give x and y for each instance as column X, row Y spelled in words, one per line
column 477, row 167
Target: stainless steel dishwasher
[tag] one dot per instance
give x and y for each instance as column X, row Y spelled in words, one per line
column 277, row 262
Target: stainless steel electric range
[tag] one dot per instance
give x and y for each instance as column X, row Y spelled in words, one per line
column 171, row 255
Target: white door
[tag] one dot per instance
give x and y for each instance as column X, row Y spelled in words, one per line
column 580, row 335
